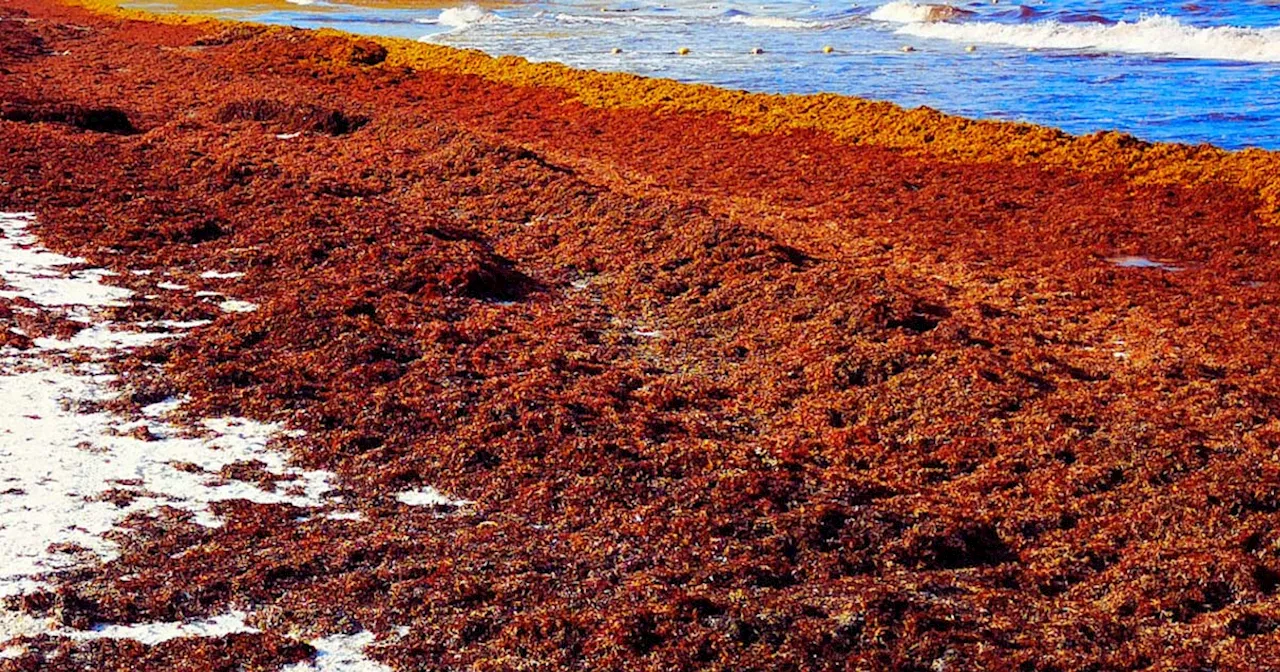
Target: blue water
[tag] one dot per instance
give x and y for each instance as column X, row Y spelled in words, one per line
column 1168, row 71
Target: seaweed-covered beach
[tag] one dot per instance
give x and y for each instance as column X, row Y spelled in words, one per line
column 390, row 356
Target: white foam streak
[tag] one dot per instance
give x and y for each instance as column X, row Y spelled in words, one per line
column 461, row 18
column 774, row 22
column 1161, row 35
column 619, row 19
column 909, row 12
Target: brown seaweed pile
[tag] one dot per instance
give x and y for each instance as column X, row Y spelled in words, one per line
column 720, row 400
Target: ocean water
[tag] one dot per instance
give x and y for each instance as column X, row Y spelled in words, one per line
column 1187, row 71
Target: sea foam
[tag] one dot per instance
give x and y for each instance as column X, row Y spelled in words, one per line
column 907, row 12
column 773, row 22
column 461, row 18
column 1161, row 35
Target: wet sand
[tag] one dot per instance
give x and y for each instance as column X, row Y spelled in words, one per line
column 697, row 379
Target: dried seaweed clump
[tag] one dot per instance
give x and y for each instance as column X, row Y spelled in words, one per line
column 228, row 34
column 291, row 117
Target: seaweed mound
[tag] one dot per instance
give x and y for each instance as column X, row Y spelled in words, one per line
column 291, row 117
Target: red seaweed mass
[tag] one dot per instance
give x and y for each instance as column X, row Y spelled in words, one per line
column 721, row 398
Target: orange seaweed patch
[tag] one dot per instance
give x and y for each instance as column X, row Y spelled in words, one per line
column 718, row 400
column 852, row 120
column 223, row 5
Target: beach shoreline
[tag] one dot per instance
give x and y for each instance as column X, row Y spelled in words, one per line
column 617, row 373
column 920, row 131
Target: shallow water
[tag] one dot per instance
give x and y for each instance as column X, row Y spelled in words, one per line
column 1170, row 71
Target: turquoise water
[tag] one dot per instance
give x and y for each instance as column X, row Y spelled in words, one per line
column 1173, row 71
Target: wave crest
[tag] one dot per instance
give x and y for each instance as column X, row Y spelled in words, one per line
column 913, row 12
column 461, row 18
column 1150, row 35
column 772, row 22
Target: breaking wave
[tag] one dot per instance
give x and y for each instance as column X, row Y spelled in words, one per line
column 912, row 12
column 462, row 18
column 1159, row 34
